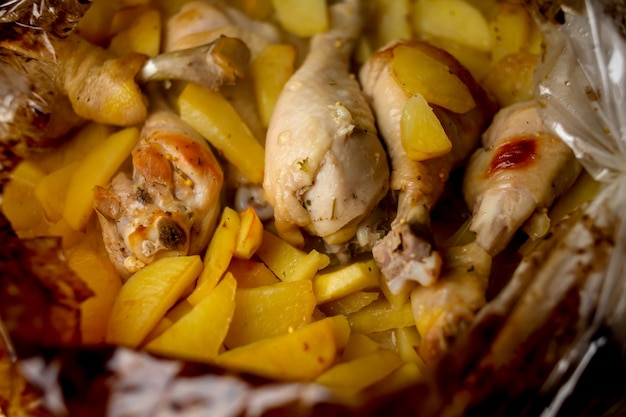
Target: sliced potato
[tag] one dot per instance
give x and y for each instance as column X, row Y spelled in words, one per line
column 251, row 273
column 362, row 371
column 217, row 120
column 270, row 71
column 249, row 235
column 345, row 280
column 79, row 145
column 297, row 356
column 287, row 262
column 142, row 36
column 510, row 30
column 100, row 276
column 19, row 204
column 269, row 311
column 419, row 73
column 511, row 79
column 51, row 191
column 358, row 345
column 392, row 17
column 406, row 375
column 380, row 316
column 219, row 253
column 456, row 20
column 97, row 168
column 147, row 295
column 423, row 136
column 350, row 303
column 198, row 334
column 302, row 18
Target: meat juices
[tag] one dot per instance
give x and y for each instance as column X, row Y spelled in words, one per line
column 407, row 252
column 170, row 205
column 325, row 166
column 520, row 169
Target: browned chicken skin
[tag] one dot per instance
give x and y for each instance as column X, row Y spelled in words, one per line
column 170, row 205
column 407, row 252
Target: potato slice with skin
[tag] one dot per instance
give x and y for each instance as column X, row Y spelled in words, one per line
column 249, row 235
column 96, row 168
column 147, row 296
column 456, row 20
column 419, row 73
column 511, row 79
column 345, row 280
column 218, row 122
column 297, row 356
column 510, row 30
column 423, row 136
column 270, row 311
column 198, row 334
column 270, row 71
column 302, row 18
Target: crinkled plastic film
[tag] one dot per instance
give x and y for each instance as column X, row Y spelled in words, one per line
column 581, row 89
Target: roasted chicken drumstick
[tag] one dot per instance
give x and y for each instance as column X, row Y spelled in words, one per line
column 407, row 252
column 170, row 204
column 325, row 166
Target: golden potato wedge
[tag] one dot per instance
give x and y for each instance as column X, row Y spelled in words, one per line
column 198, row 334
column 251, row 273
column 100, row 276
column 456, row 20
column 19, row 204
column 287, row 262
column 361, row 372
column 270, row 71
column 147, row 296
column 350, row 303
column 417, row 72
column 423, row 136
column 217, row 120
column 97, row 168
column 218, row 254
column 269, row 311
column 345, row 280
column 142, row 36
column 249, row 235
column 300, row 355
column 302, row 18
column 380, row 316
